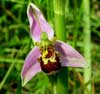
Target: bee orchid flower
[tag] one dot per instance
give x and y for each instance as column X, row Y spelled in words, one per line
column 48, row 55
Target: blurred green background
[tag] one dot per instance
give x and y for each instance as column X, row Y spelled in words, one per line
column 15, row 43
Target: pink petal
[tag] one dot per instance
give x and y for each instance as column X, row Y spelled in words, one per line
column 31, row 66
column 69, row 56
column 38, row 23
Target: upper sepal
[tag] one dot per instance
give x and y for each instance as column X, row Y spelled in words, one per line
column 38, row 24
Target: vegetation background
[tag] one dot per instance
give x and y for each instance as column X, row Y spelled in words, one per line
column 15, row 43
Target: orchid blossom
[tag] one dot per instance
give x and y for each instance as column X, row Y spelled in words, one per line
column 48, row 55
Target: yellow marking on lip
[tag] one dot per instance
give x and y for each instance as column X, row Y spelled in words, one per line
column 50, row 59
column 45, row 52
column 46, row 60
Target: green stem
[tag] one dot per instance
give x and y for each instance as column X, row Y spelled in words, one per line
column 61, row 85
column 7, row 74
column 67, row 8
column 50, row 11
column 11, row 60
column 87, row 46
column 75, row 23
column 18, row 91
column 59, row 12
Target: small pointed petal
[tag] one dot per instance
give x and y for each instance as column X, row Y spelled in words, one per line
column 38, row 23
column 69, row 56
column 31, row 66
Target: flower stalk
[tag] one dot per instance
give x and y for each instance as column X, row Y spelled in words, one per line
column 50, row 14
column 87, row 46
column 61, row 86
column 59, row 13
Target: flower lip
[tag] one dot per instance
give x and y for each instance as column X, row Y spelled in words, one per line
column 49, row 61
column 50, row 66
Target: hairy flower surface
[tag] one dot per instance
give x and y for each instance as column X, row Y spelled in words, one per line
column 48, row 55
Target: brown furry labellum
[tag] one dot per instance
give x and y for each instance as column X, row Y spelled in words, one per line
column 49, row 61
